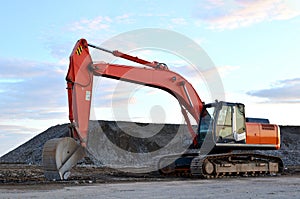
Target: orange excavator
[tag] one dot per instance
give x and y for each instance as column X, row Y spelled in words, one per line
column 222, row 127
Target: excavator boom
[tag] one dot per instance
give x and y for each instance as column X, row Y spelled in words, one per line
column 80, row 83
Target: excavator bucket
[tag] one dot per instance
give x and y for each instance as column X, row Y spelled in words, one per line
column 59, row 156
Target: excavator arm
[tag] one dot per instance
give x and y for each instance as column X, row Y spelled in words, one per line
column 60, row 155
column 157, row 75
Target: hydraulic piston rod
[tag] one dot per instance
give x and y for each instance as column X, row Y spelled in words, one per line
column 117, row 53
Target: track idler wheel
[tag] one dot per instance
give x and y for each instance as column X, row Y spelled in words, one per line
column 59, row 156
column 208, row 167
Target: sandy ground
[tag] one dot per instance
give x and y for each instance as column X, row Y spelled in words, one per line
column 262, row 187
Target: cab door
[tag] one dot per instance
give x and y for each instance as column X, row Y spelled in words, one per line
column 230, row 126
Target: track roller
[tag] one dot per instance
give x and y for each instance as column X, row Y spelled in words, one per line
column 59, row 156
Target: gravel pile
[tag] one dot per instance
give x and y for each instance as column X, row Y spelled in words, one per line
column 31, row 151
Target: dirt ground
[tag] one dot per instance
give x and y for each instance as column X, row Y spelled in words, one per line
column 286, row 186
column 27, row 181
column 23, row 174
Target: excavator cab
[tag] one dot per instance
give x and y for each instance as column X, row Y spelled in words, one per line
column 224, row 121
column 226, row 124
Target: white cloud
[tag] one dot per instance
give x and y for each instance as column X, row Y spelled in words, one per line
column 217, row 2
column 16, row 129
column 225, row 70
column 153, row 14
column 31, row 90
column 19, row 68
column 85, row 25
column 284, row 91
column 124, row 19
column 99, row 23
column 179, row 21
column 234, row 14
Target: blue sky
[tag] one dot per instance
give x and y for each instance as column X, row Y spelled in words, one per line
column 254, row 44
